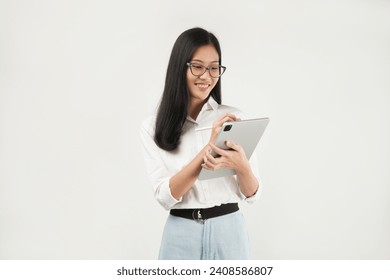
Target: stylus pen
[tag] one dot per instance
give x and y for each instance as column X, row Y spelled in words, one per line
column 203, row 128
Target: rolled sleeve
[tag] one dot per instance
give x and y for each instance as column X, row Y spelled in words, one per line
column 164, row 196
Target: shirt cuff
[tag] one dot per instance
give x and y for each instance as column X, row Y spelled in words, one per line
column 166, row 199
column 253, row 197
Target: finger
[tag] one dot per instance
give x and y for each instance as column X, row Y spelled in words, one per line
column 212, row 166
column 226, row 117
column 236, row 147
column 229, row 115
column 232, row 145
column 218, row 150
column 205, row 163
column 204, row 159
column 208, row 165
column 217, row 163
column 217, row 128
column 210, row 159
column 205, row 166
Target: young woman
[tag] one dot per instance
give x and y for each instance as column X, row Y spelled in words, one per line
column 204, row 221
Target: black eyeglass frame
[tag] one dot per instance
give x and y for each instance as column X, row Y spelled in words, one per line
column 189, row 64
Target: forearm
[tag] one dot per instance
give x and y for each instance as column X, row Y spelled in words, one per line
column 247, row 182
column 183, row 181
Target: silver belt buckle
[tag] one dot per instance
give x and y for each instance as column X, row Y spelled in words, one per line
column 197, row 216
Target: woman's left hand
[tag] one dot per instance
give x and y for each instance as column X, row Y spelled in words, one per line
column 233, row 159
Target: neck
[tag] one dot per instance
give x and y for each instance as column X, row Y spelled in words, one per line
column 194, row 107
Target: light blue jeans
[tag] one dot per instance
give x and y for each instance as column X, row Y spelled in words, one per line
column 221, row 238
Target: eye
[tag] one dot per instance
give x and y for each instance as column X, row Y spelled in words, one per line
column 197, row 66
column 215, row 70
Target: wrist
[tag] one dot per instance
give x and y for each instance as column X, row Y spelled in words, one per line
column 243, row 169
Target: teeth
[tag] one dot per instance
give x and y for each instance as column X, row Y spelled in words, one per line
column 202, row 85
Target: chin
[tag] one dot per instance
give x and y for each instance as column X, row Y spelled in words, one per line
column 203, row 96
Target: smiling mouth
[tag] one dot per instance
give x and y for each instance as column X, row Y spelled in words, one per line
column 202, row 86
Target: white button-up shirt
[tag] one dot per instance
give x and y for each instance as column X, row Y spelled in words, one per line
column 161, row 165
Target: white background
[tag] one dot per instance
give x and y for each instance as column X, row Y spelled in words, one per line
column 78, row 77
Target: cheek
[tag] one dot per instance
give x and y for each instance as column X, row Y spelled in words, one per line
column 189, row 79
column 215, row 81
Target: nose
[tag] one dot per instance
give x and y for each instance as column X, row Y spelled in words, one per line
column 203, row 75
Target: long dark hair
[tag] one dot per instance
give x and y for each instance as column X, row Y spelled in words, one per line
column 173, row 108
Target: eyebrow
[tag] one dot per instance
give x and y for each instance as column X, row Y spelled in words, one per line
column 198, row 60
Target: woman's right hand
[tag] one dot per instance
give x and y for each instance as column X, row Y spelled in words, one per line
column 217, row 125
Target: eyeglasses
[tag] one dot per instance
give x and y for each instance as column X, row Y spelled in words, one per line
column 198, row 70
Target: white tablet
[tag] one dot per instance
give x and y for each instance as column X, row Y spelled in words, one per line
column 246, row 133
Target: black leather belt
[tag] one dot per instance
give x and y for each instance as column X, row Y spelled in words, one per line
column 202, row 214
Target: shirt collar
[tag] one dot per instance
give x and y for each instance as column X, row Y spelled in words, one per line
column 211, row 104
